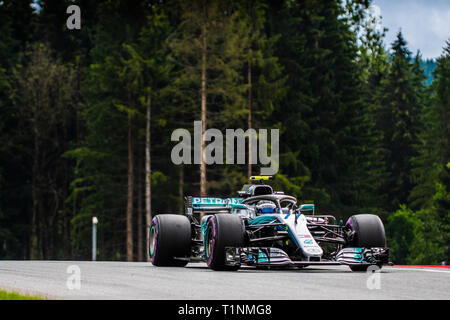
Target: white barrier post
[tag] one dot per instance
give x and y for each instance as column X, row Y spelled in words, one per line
column 94, row 238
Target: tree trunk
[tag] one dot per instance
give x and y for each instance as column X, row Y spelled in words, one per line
column 140, row 238
column 249, row 121
column 148, row 190
column 72, row 251
column 34, row 230
column 203, row 163
column 130, row 195
column 34, row 243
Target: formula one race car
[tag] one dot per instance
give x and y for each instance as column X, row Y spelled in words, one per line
column 266, row 229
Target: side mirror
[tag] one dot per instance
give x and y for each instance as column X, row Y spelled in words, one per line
column 307, row 207
column 244, row 194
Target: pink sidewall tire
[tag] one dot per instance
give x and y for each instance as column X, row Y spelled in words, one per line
column 223, row 230
column 170, row 240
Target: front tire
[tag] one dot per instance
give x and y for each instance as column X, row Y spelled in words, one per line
column 223, row 230
column 367, row 232
column 170, row 238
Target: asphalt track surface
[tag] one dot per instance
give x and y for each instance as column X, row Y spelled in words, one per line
column 138, row 280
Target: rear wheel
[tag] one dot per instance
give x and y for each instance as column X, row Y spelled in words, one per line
column 367, row 232
column 170, row 240
column 223, row 230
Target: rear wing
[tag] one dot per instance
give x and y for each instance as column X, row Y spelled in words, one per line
column 209, row 204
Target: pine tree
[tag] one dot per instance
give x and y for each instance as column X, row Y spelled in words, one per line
column 7, row 225
column 150, row 53
column 324, row 134
column 286, row 20
column 441, row 143
column 107, row 160
column 263, row 72
column 22, row 20
column 207, row 51
column 44, row 95
column 374, row 68
column 442, row 104
column 442, row 206
column 398, row 118
column 426, row 165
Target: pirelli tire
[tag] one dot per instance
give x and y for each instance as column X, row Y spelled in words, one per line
column 367, row 232
column 223, row 230
column 170, row 240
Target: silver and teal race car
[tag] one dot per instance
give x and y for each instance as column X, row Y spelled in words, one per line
column 265, row 229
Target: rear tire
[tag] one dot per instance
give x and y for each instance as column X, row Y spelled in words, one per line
column 170, row 238
column 223, row 230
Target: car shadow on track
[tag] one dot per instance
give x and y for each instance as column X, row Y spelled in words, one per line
column 194, row 267
column 273, row 270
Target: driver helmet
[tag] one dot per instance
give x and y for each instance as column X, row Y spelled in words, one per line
column 266, row 207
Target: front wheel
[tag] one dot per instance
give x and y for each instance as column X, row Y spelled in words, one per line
column 367, row 231
column 223, row 230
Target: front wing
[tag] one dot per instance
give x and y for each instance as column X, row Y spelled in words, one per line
column 269, row 256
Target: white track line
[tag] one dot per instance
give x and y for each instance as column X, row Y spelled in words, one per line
column 420, row 269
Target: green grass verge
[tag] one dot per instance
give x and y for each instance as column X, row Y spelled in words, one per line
column 5, row 295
